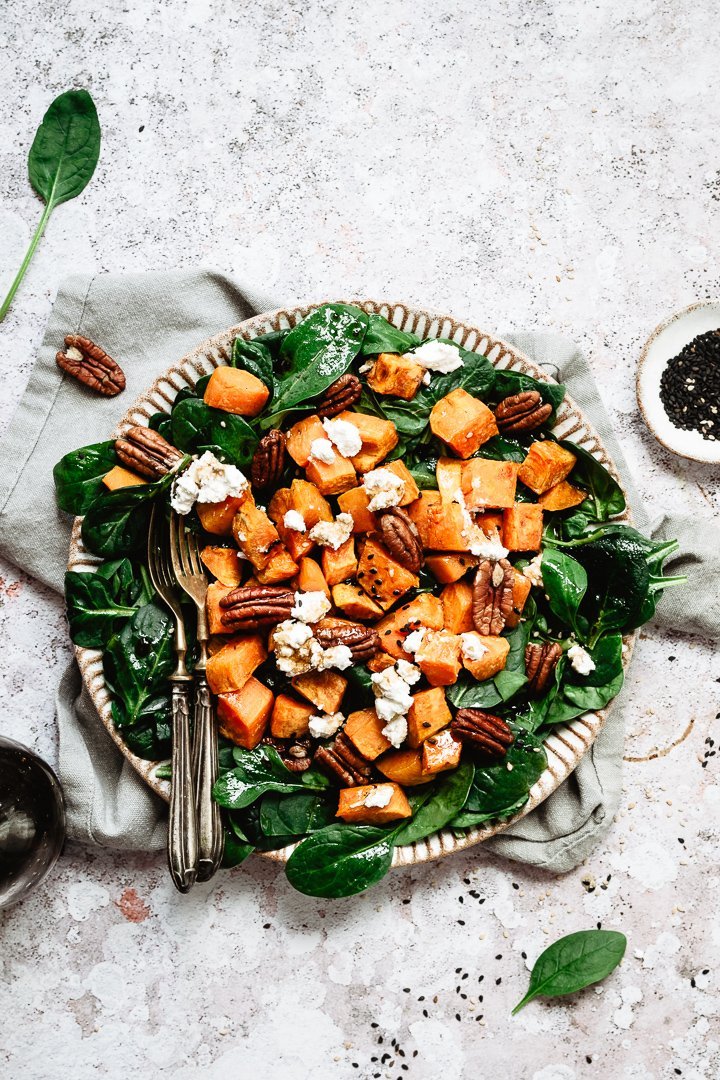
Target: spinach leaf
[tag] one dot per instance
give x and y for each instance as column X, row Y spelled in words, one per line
column 117, row 523
column 500, row 448
column 446, row 801
column 466, row 693
column 508, row 383
column 254, row 356
column 382, row 336
column 162, row 423
column 606, row 497
column 137, row 662
column 360, row 685
column 411, row 417
column 150, row 737
column 618, row 582
column 512, row 677
column 96, row 602
column 341, row 860
column 78, row 476
column 565, row 583
column 197, row 427
column 497, row 790
column 586, row 693
column 257, row 772
column 574, row 962
column 294, row 815
column 235, row 850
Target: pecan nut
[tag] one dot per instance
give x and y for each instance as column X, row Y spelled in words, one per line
column 255, row 607
column 488, row 732
column 340, row 396
column 362, row 641
column 344, row 762
column 294, row 753
column 268, row 460
column 401, row 538
column 541, row 659
column 147, row 452
column 91, row 365
column 522, row 412
column 492, row 596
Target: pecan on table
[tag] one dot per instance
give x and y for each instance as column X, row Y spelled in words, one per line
column 255, row 607
column 487, row 732
column 91, row 365
column 147, row 452
column 541, row 659
column 294, row 753
column 401, row 538
column 340, row 396
column 344, row 762
column 492, row 596
column 362, row 641
column 268, row 460
column 522, row 412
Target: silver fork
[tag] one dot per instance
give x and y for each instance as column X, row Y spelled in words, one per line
column 182, row 829
column 191, row 578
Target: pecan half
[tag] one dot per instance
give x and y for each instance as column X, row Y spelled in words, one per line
column 522, row 412
column 91, row 365
column 540, row 663
column 362, row 641
column 488, row 732
column 294, row 753
column 340, row 396
column 147, row 452
column 492, row 596
column 253, row 607
column 343, row 760
column 401, row 538
column 268, row 460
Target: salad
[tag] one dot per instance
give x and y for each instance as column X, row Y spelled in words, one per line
column 412, row 582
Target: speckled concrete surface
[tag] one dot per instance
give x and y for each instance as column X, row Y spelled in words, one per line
column 541, row 164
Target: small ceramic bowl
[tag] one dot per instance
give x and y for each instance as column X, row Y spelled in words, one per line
column 665, row 342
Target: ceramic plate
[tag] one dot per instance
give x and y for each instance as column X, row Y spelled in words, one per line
column 567, row 744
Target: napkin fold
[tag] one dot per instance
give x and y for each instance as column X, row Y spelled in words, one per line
column 148, row 321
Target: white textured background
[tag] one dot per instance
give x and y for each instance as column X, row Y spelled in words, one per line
column 546, row 164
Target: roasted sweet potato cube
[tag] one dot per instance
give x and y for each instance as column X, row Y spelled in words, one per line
column 309, row 503
column 411, row 490
column 223, row 563
column 300, row 437
column 310, row 577
column 236, row 391
column 380, row 662
column 118, row 477
column 331, row 478
column 339, row 565
column 490, row 523
column 439, row 657
column 254, row 533
column 493, row 658
column 243, row 714
column 357, row 804
column 364, row 730
column 397, row 375
column 280, row 566
column 355, row 503
column 378, row 436
column 424, row 610
column 463, row 422
column 290, row 717
column 523, row 527
column 354, row 602
column 487, row 483
column 215, row 593
column 428, row 713
column 440, row 524
column 217, row 518
column 561, row 496
column 521, row 591
column 404, row 767
column 546, row 465
column 382, row 577
column 441, row 752
column 231, row 667
column 457, row 607
column 325, row 689
column 297, row 542
column 447, row 567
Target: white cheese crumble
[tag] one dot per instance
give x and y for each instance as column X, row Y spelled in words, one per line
column 414, row 640
column 486, row 547
column 367, row 366
column 383, row 488
column 310, row 606
column 437, row 356
column 407, row 671
column 337, row 656
column 324, row 726
column 472, row 647
column 393, row 699
column 426, row 379
column 344, row 436
column 322, row 450
column 206, row 480
column 533, row 571
column 395, row 731
column 580, row 659
column 294, row 520
column 379, row 796
column 332, row 534
column 298, row 651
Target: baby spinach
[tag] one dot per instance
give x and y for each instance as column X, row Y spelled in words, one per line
column 606, row 498
column 508, row 383
column 78, row 476
column 512, row 677
column 574, row 962
column 501, row 788
column 116, row 524
column 150, row 736
column 96, row 602
column 411, row 417
column 565, row 583
column 341, row 860
column 466, row 693
column 137, row 662
column 500, row 448
column 258, row 771
column 296, row 814
column 196, row 427
column 446, row 800
column 577, row 694
column 254, row 356
column 235, row 851
column 382, row 337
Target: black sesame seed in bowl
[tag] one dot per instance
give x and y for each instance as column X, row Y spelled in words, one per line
column 690, row 386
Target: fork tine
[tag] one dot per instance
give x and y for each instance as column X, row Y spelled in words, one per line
column 194, row 552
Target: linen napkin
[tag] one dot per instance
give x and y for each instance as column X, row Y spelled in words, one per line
column 148, row 321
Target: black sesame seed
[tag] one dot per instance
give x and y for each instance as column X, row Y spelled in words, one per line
column 690, row 386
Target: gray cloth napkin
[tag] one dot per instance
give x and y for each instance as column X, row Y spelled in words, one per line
column 148, row 321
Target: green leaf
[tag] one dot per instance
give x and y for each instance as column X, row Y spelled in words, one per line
column 97, row 602
column 574, row 962
column 565, row 584
column 382, row 336
column 295, row 814
column 78, row 476
column 508, row 383
column 411, row 417
column 197, row 427
column 137, row 662
column 578, row 694
column 254, row 356
column 235, row 851
column 116, row 524
column 341, row 860
column 512, row 677
column 501, row 449
column 466, row 693
column 257, row 772
column 497, row 790
column 446, row 801
column 607, row 499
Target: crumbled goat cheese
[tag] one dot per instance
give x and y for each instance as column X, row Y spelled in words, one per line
column 322, row 450
column 310, row 606
column 487, row 547
column 296, row 650
column 393, row 699
column 533, row 571
column 437, row 356
column 206, row 480
column 337, row 656
column 580, row 660
column 344, row 436
column 383, row 489
column 367, row 366
column 426, row 379
column 294, row 520
column 395, row 731
column 471, row 647
column 408, row 671
column 323, row 727
column 379, row 796
column 414, row 640
column 332, row 534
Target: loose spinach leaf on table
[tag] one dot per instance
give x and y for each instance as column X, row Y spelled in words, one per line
column 257, row 772
column 137, row 662
column 446, row 800
column 341, row 860
column 497, row 790
column 116, row 524
column 382, row 337
column 196, row 427
column 96, row 602
column 254, row 356
column 574, row 962
column 78, row 476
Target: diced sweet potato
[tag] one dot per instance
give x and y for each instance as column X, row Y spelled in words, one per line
column 561, row 496
column 463, row 422
column 428, row 713
column 378, row 436
column 297, row 543
column 382, row 577
column 325, row 689
column 243, row 714
column 380, row 662
column 354, row 602
column 440, row 524
column 118, row 477
column 448, row 473
column 223, row 563
column 441, row 752
column 364, row 730
column 254, row 533
column 231, row 667
column 215, row 593
column 290, row 717
column 523, row 527
column 487, row 483
column 351, row 805
column 457, row 607
column 300, row 437
column 309, row 503
column 439, row 657
column 397, row 375
column 411, row 490
column 404, row 767
column 490, row 523
column 492, row 660
column 311, row 578
column 236, row 391
column 334, row 477
column 355, row 503
column 280, row 567
column 339, row 565
column 424, row 610
column 546, row 465
column 217, row 518
column 447, row 568
column 521, row 591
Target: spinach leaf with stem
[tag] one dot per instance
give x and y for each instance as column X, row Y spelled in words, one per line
column 116, row 524
column 258, row 771
column 382, row 337
column 196, row 427
column 498, row 790
column 97, row 602
column 444, row 803
column 137, row 662
column 78, row 476
column 574, row 962
column 341, row 860
column 565, row 584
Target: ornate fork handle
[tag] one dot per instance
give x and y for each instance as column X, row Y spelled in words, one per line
column 182, row 834
column 210, row 833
